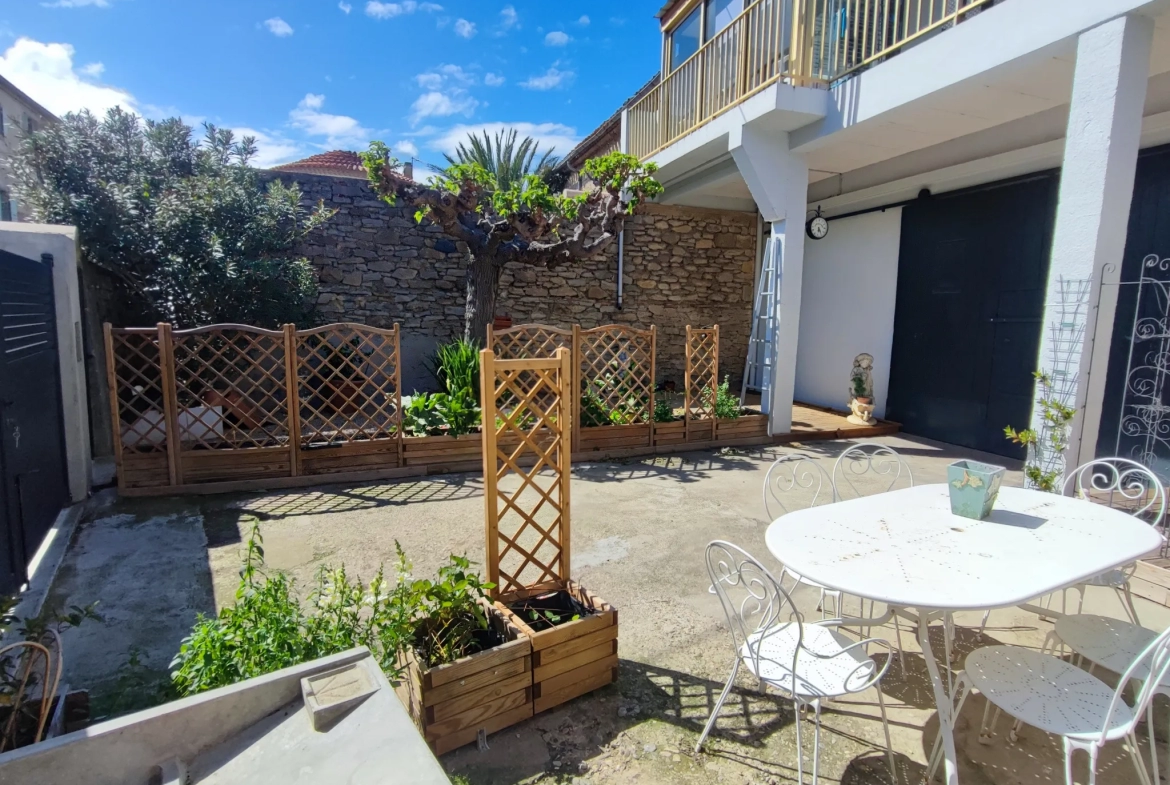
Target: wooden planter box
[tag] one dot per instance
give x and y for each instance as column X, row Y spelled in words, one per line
column 614, row 437
column 746, row 426
column 487, row 691
column 573, row 658
column 444, row 454
column 674, row 432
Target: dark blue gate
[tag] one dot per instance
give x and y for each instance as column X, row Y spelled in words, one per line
column 33, row 480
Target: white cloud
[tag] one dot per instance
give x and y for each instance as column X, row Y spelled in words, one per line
column 549, row 80
column 338, row 130
column 464, row 29
column 444, row 74
column 561, row 138
column 77, row 4
column 404, row 148
column 556, row 38
column 436, row 104
column 345, row 7
column 46, row 73
column 583, row 21
column 278, row 27
column 493, row 80
column 390, row 10
column 272, row 148
column 508, row 18
column 93, row 70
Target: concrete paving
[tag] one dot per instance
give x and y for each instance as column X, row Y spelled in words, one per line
column 639, row 528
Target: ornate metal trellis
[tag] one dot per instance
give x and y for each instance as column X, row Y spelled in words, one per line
column 1144, row 434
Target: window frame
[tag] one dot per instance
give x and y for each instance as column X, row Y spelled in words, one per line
column 676, row 20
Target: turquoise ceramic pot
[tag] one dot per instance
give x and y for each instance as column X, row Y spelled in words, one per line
column 973, row 487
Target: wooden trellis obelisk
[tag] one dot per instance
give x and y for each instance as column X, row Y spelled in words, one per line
column 527, row 436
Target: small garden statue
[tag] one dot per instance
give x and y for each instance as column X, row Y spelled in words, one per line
column 861, row 390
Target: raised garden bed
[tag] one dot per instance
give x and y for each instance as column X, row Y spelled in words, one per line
column 487, row 691
column 573, row 655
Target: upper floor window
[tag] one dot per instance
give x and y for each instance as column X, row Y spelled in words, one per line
column 703, row 23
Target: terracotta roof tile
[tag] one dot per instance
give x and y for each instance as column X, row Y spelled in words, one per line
column 340, row 163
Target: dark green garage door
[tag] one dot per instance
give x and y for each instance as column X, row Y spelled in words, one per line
column 972, row 275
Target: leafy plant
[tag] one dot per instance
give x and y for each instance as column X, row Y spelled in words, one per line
column 663, row 411
column 726, row 403
column 507, row 161
column 268, row 628
column 184, row 228
column 422, row 414
column 859, row 390
column 1044, row 464
column 458, row 411
column 455, row 366
column 549, row 610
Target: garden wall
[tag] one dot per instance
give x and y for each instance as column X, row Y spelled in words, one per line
column 683, row 266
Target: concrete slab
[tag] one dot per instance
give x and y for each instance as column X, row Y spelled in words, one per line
column 639, row 531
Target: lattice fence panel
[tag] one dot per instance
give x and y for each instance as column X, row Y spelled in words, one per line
column 528, row 340
column 527, row 449
column 230, row 385
column 701, row 379
column 617, row 376
column 349, row 382
column 137, row 382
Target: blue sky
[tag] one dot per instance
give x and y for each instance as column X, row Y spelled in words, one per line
column 314, row 75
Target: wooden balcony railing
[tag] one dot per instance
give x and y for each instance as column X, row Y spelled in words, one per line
column 812, row 43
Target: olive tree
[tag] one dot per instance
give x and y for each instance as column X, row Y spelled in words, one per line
column 523, row 223
column 184, row 226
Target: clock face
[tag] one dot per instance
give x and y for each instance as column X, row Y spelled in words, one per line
column 818, row 227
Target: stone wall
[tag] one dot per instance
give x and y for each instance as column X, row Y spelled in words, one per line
column 682, row 266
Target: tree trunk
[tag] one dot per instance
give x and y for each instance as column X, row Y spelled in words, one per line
column 483, row 280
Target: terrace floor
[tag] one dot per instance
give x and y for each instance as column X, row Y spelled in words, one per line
column 639, row 528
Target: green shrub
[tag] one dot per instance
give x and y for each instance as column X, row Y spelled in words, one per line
column 663, row 411
column 458, row 411
column 268, row 628
column 455, row 366
column 726, row 403
column 422, row 415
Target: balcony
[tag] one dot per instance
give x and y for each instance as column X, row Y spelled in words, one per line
column 805, row 43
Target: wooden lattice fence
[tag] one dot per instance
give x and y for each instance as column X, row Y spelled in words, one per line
column 231, row 405
column 616, row 371
column 700, row 382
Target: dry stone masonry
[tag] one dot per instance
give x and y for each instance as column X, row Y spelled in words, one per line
column 683, row 266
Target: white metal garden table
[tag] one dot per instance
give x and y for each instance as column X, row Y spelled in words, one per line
column 906, row 549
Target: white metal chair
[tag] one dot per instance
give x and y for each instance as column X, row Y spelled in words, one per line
column 1113, row 644
column 811, row 663
column 864, row 460
column 1126, row 485
column 1062, row 699
column 796, row 482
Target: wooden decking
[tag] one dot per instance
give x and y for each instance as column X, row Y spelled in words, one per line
column 813, row 423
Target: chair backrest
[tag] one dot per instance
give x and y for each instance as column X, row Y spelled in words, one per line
column 1151, row 667
column 1121, row 484
column 867, row 468
column 752, row 599
column 796, row 482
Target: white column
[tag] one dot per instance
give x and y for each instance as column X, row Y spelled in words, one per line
column 1096, row 188
column 778, row 181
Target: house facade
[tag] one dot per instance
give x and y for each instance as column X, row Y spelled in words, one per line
column 977, row 161
column 19, row 115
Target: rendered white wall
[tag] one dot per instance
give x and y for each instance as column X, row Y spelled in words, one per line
column 30, row 241
column 847, row 307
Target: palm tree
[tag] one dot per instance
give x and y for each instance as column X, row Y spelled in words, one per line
column 508, row 161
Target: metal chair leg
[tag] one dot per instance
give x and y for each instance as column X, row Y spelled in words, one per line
column 718, row 705
column 1127, row 595
column 901, row 651
column 799, row 747
column 886, row 730
column 1135, row 756
column 816, row 742
column 1068, row 753
column 1093, row 764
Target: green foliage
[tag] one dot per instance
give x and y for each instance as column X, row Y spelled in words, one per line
column 459, row 411
column 268, row 628
column 663, row 411
column 1045, row 449
column 183, row 226
column 618, row 171
column 507, row 162
column 726, row 403
column 859, row 390
column 422, row 415
column 455, row 366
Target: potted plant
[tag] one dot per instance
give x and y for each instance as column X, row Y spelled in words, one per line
column 860, row 391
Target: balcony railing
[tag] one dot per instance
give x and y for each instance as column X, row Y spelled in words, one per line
column 812, row 43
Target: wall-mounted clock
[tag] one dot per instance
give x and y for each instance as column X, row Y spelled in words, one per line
column 817, row 227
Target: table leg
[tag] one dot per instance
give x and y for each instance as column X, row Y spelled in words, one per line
column 942, row 699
